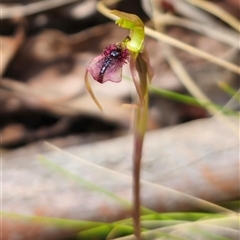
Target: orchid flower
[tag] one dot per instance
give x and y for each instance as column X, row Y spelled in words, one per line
column 108, row 67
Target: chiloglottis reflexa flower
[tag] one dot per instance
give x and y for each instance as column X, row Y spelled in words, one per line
column 108, row 65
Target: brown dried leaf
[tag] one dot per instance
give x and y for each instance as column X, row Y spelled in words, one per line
column 9, row 46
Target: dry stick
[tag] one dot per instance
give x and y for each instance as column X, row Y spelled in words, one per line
column 174, row 42
column 227, row 36
column 171, row 41
column 217, row 11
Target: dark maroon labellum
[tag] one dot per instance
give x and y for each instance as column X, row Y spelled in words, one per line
column 108, row 61
column 108, row 66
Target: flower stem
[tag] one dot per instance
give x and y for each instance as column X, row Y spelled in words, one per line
column 137, row 156
column 136, row 185
column 140, row 123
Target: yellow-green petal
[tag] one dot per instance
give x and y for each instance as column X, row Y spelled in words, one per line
column 136, row 27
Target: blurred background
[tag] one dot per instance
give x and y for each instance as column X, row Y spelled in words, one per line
column 46, row 46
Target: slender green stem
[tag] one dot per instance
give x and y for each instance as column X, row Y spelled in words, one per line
column 137, row 155
column 140, row 124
